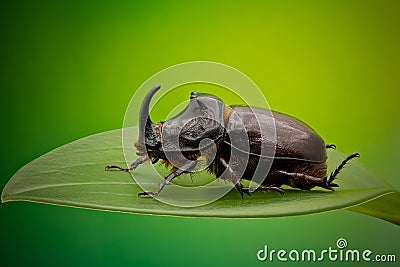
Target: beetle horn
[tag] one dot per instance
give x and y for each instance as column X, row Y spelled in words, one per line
column 144, row 113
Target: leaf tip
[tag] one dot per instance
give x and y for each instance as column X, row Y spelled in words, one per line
column 4, row 197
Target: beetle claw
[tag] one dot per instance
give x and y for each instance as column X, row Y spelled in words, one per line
column 271, row 188
column 277, row 189
column 327, row 184
column 331, row 146
column 246, row 190
column 242, row 190
column 145, row 193
column 108, row 167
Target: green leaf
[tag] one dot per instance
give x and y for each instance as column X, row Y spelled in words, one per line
column 385, row 207
column 73, row 175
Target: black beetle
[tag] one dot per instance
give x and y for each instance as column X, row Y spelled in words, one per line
column 299, row 158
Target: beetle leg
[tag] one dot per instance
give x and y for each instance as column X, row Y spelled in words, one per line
column 331, row 146
column 133, row 166
column 242, row 189
column 185, row 168
column 304, row 181
column 333, row 174
column 234, row 179
column 266, row 188
column 271, row 188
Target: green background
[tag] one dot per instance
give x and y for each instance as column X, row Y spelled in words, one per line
column 69, row 69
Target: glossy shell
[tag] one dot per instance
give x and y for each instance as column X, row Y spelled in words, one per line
column 248, row 129
column 202, row 118
column 294, row 138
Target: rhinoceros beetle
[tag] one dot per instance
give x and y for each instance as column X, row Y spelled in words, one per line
column 299, row 158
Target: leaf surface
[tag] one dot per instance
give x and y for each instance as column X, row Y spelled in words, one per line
column 73, row 175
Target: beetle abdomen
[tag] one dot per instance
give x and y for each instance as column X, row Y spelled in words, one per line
column 297, row 140
column 294, row 139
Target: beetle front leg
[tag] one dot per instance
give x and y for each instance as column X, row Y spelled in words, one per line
column 185, row 168
column 133, row 166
